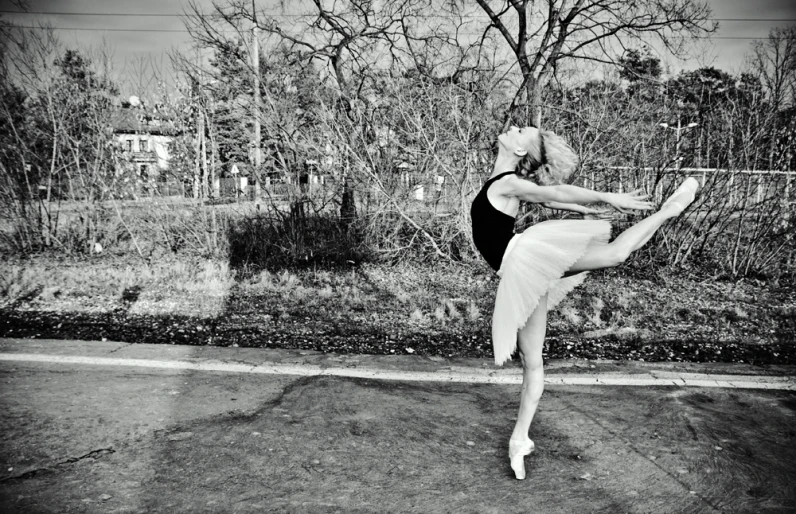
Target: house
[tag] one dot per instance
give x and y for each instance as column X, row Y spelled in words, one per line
column 145, row 140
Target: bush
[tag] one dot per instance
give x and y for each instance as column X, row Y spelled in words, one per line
column 258, row 242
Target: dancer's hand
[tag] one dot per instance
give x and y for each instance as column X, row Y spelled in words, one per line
column 632, row 201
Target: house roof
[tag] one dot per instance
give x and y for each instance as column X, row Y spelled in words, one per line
column 132, row 120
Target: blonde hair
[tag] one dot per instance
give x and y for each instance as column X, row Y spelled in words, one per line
column 550, row 160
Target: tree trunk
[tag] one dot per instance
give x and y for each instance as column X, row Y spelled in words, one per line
column 348, row 210
column 197, row 167
column 534, row 92
column 203, row 150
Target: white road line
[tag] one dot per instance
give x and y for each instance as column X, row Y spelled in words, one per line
column 447, row 375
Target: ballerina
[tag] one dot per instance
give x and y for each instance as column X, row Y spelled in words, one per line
column 538, row 267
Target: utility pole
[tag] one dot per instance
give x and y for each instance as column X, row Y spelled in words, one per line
column 256, row 108
column 197, row 184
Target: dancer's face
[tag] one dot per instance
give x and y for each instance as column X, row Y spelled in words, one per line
column 519, row 139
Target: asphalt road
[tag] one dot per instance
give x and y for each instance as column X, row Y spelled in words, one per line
column 118, row 434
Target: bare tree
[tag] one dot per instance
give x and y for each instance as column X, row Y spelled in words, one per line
column 356, row 41
column 774, row 61
column 543, row 34
column 449, row 39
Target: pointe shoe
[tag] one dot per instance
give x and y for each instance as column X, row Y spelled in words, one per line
column 517, row 452
column 682, row 196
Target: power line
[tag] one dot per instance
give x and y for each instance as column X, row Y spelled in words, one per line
column 138, row 15
column 100, row 29
column 282, row 15
column 753, row 19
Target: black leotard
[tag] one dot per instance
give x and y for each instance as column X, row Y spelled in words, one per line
column 492, row 229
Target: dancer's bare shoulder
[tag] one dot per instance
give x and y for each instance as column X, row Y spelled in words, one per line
column 513, row 186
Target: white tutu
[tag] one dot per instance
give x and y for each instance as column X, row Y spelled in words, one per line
column 533, row 266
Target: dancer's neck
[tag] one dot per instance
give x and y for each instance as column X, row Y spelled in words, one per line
column 505, row 162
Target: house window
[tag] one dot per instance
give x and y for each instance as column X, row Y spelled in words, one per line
column 143, row 145
column 129, row 145
column 144, row 171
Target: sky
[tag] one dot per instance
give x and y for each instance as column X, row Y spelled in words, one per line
column 725, row 51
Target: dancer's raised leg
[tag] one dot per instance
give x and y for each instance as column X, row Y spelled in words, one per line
column 618, row 250
column 530, row 340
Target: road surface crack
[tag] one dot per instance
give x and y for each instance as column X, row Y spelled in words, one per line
column 93, row 454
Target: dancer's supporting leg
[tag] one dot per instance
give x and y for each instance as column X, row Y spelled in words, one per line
column 530, row 340
column 618, row 250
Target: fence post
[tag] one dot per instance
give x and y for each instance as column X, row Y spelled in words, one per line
column 659, row 189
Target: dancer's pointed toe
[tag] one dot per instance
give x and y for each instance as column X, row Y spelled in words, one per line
column 517, row 452
column 682, row 196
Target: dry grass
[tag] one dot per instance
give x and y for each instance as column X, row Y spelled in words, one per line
column 473, row 312
column 570, row 313
column 596, row 311
column 402, row 298
column 197, row 288
column 188, row 289
column 326, row 293
column 418, row 316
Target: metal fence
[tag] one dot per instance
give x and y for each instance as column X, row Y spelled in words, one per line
column 746, row 188
column 741, row 188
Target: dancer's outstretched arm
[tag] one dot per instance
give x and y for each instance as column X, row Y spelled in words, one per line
column 530, row 192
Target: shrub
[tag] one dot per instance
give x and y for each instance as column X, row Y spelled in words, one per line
column 260, row 242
